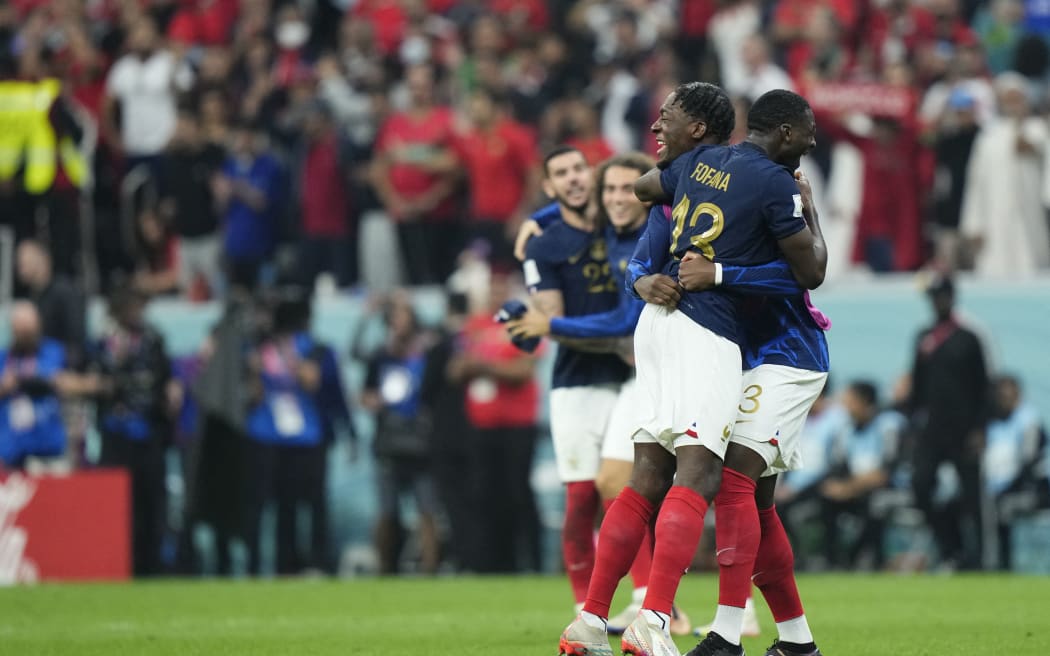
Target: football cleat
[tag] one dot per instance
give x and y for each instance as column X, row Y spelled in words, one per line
column 618, row 623
column 643, row 638
column 779, row 648
column 582, row 639
column 716, row 645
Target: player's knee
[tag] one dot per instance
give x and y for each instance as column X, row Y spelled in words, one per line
column 702, row 475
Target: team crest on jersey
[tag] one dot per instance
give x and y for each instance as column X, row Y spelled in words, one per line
column 599, row 251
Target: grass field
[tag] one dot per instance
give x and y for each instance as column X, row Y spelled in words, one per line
column 850, row 615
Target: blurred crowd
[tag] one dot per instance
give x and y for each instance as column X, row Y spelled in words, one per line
column 191, row 146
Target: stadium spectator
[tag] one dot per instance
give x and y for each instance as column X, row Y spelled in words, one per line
column 155, row 267
column 187, row 205
column 502, row 403
column 412, row 173
column 30, row 416
column 402, row 443
column 956, row 132
column 947, row 408
column 500, row 162
column 444, row 401
column 865, row 459
column 1014, row 462
column 1003, row 217
column 143, row 82
column 59, row 304
column 327, row 243
column 248, row 191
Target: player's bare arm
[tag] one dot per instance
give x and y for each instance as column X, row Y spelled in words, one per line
column 807, row 261
column 805, row 250
column 649, row 190
column 529, row 229
column 659, row 289
column 548, row 302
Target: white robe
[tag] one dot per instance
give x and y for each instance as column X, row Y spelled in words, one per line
column 1003, row 204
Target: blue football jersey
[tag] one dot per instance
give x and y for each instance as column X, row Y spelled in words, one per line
column 780, row 330
column 620, row 321
column 731, row 204
column 576, row 263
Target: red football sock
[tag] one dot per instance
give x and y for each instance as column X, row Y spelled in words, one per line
column 774, row 568
column 622, row 534
column 737, row 534
column 577, row 535
column 678, row 529
column 642, row 561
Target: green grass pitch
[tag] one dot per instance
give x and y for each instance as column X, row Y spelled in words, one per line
column 851, row 616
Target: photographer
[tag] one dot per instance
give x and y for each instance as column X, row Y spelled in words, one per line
column 30, row 421
column 130, row 376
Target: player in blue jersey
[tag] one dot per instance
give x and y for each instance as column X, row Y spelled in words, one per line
column 786, row 362
column 621, row 219
column 687, row 360
column 568, row 273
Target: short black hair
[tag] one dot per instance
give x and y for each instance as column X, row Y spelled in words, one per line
column 558, row 151
column 775, row 108
column 866, row 391
column 709, row 103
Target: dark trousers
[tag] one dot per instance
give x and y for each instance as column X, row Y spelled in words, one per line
column 956, row 526
column 495, row 233
column 506, row 504
column 429, row 250
column 144, row 462
column 335, row 255
column 287, row 476
column 458, row 501
column 215, row 491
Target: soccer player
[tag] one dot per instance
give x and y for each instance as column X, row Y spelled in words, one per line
column 687, row 360
column 623, row 218
column 786, row 363
column 567, row 271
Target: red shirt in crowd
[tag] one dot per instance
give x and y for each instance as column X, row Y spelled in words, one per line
column 416, row 139
column 491, row 403
column 208, row 22
column 497, row 163
column 595, row 149
column 325, row 205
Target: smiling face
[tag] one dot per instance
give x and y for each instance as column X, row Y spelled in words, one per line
column 676, row 132
column 569, row 180
column 623, row 208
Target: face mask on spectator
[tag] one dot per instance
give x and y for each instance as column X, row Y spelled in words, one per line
column 292, row 35
column 414, row 50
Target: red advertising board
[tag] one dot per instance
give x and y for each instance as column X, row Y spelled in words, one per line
column 868, row 98
column 65, row 527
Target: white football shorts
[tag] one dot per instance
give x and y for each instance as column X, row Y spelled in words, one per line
column 772, row 412
column 689, row 380
column 579, row 419
column 623, row 421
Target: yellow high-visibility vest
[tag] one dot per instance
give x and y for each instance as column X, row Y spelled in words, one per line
column 27, row 137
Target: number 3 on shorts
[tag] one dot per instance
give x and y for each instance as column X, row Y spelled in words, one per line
column 750, row 404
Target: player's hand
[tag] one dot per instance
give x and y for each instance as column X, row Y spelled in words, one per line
column 806, row 190
column 659, row 289
column 531, row 324
column 696, row 273
column 527, row 231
